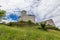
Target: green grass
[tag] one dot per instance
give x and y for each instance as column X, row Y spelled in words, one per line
column 27, row 33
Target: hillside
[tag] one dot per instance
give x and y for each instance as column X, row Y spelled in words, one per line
column 27, row 33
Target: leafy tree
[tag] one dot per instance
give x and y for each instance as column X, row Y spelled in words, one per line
column 30, row 23
column 36, row 24
column 11, row 24
column 21, row 23
column 2, row 13
column 43, row 26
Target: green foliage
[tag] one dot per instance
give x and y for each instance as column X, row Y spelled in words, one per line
column 11, row 24
column 52, row 28
column 37, row 24
column 2, row 13
column 27, row 33
column 43, row 26
column 57, row 29
column 21, row 23
column 30, row 23
column 25, row 23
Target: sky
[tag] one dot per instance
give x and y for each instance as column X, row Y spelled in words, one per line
column 42, row 9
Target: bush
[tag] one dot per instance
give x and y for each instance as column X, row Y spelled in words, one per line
column 43, row 26
column 36, row 24
column 2, row 13
column 57, row 29
column 30, row 23
column 11, row 24
column 21, row 23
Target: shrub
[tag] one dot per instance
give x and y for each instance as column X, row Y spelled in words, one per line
column 2, row 14
column 30, row 23
column 11, row 24
column 57, row 29
column 36, row 24
column 21, row 23
column 52, row 27
column 43, row 26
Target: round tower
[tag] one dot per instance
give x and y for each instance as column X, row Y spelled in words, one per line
column 23, row 12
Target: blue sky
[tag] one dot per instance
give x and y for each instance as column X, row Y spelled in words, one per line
column 42, row 9
column 13, row 17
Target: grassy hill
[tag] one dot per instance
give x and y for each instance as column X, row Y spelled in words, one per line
column 27, row 33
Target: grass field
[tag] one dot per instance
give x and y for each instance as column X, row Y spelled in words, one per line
column 27, row 33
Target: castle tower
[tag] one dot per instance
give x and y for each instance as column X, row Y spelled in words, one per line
column 23, row 13
column 26, row 17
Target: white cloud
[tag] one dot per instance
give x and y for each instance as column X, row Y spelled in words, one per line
column 46, row 9
column 50, row 9
column 13, row 3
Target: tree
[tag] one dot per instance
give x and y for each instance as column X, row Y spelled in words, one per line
column 11, row 24
column 2, row 13
column 30, row 23
column 21, row 23
column 43, row 26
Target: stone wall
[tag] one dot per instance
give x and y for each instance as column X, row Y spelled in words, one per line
column 50, row 22
column 26, row 17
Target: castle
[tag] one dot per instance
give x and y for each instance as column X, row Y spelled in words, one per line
column 49, row 22
column 25, row 17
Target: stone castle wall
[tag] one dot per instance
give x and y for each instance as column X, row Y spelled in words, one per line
column 50, row 22
column 26, row 17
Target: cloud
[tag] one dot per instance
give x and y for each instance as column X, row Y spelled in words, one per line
column 13, row 3
column 50, row 9
column 42, row 9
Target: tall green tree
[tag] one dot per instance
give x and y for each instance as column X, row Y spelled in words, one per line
column 2, row 13
column 43, row 25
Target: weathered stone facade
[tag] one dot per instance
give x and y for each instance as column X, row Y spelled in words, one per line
column 26, row 17
column 49, row 22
